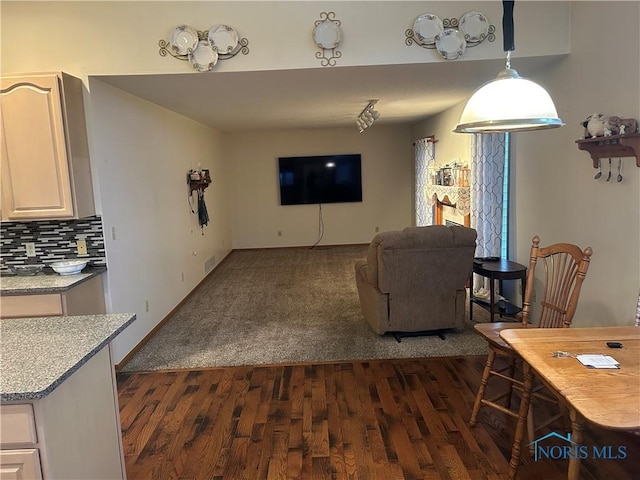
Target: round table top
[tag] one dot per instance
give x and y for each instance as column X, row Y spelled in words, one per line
column 498, row 267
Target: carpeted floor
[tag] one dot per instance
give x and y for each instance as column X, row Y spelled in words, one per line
column 284, row 306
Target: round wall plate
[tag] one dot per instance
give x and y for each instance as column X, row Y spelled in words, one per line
column 223, row 38
column 327, row 35
column 184, row 39
column 204, row 57
column 451, row 44
column 426, row 28
column 474, row 26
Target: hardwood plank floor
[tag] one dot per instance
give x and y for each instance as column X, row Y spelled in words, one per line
column 380, row 419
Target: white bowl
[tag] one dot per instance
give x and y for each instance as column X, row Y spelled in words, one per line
column 69, row 267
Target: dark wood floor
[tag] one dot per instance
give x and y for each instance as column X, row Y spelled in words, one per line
column 381, row 419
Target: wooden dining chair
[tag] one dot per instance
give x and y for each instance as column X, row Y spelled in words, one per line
column 564, row 268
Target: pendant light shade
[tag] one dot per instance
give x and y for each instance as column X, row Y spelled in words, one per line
column 509, row 103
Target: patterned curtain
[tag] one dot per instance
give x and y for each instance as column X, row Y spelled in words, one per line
column 487, row 181
column 424, row 156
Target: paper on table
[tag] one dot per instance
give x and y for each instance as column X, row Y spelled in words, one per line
column 598, row 361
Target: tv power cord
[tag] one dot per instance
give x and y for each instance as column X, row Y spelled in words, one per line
column 320, row 227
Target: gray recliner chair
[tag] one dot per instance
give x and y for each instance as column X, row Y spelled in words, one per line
column 414, row 280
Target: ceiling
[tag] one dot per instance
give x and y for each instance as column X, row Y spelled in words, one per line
column 319, row 97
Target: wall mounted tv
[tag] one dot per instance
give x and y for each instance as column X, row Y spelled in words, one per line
column 320, row 179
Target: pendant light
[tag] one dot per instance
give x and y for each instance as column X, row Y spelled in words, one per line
column 509, row 103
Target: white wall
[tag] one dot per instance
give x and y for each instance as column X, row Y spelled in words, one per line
column 554, row 194
column 141, row 154
column 449, row 147
column 555, row 179
column 118, row 38
column 387, row 185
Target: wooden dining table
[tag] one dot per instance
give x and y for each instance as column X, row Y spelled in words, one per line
column 609, row 398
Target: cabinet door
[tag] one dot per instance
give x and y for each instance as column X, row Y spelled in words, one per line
column 35, row 167
column 17, row 425
column 21, row 464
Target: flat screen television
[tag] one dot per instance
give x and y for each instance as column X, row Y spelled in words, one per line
column 320, row 179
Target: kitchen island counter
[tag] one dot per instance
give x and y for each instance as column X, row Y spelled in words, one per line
column 39, row 353
column 59, row 411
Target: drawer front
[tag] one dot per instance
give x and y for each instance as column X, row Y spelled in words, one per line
column 47, row 305
column 17, row 424
column 21, row 464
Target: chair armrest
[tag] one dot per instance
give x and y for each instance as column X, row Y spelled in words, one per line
column 361, row 269
column 361, row 262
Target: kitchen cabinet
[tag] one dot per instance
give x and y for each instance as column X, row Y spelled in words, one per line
column 23, row 464
column 86, row 298
column 17, row 424
column 59, row 413
column 44, row 152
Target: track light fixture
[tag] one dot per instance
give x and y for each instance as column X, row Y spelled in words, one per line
column 367, row 116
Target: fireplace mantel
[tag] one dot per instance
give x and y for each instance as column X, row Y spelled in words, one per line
column 458, row 197
column 440, row 196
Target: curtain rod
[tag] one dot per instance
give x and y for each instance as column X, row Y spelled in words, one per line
column 431, row 138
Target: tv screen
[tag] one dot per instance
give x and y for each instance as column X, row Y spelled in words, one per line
column 320, row 179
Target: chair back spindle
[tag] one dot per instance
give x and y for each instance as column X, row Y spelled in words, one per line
column 564, row 269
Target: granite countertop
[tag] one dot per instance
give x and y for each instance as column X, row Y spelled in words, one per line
column 45, row 283
column 39, row 353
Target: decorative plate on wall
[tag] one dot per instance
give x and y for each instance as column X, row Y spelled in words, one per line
column 203, row 49
column 327, row 34
column 223, row 38
column 204, row 57
column 426, row 27
column 451, row 44
column 474, row 26
column 450, row 36
column 183, row 39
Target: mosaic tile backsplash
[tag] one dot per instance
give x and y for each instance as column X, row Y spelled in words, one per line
column 54, row 240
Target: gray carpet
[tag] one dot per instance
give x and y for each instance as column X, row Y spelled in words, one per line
column 283, row 306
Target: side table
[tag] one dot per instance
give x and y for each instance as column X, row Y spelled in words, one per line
column 500, row 270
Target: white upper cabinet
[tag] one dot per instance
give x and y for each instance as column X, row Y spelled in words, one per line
column 44, row 153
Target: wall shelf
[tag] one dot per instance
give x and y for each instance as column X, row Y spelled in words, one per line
column 612, row 146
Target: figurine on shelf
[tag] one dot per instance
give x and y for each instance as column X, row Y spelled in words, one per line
column 611, row 125
column 594, row 125
column 599, row 125
column 627, row 126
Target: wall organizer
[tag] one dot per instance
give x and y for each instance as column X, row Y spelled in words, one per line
column 451, row 36
column 199, row 180
column 203, row 49
column 327, row 35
